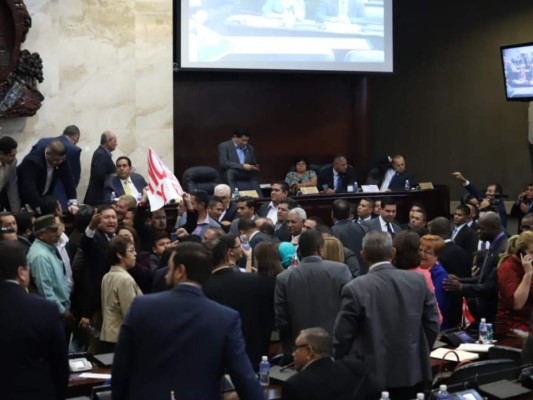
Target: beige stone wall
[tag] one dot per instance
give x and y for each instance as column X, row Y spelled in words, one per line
column 107, row 66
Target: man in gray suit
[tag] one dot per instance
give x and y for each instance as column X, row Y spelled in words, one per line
column 385, row 222
column 237, row 161
column 388, row 318
column 308, row 295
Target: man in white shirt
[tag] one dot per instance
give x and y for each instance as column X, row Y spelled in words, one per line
column 385, row 222
column 124, row 181
column 279, row 192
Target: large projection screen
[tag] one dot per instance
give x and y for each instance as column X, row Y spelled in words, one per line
column 286, row 35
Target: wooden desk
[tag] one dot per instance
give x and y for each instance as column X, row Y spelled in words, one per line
column 436, row 202
column 83, row 387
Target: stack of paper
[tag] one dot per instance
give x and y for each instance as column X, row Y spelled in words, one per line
column 463, row 355
column 475, row 347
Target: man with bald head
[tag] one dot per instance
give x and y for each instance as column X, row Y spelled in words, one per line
column 484, row 286
column 101, row 166
column 336, row 177
column 396, row 176
column 40, row 170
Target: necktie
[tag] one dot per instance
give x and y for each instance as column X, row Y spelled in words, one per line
column 127, row 187
column 389, row 228
column 455, row 230
column 338, row 183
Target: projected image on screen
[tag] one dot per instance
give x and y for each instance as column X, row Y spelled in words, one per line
column 321, row 35
column 518, row 70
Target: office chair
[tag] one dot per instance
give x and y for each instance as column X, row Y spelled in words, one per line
column 505, row 352
column 482, row 372
column 101, row 392
column 200, row 178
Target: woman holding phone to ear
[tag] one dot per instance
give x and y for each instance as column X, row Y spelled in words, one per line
column 515, row 294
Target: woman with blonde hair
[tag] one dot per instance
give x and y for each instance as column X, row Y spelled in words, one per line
column 334, row 250
column 515, row 302
column 430, row 248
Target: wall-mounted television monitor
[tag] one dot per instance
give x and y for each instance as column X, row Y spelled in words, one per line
column 285, row 35
column 517, row 64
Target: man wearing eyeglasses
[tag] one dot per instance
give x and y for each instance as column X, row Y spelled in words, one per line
column 320, row 377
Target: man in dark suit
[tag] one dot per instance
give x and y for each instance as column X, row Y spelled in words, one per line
column 321, row 378
column 281, row 229
column 279, row 191
column 101, row 166
column 124, row 181
column 251, row 295
column 523, row 204
column 71, row 136
column 248, row 228
column 39, row 171
column 385, row 222
column 349, row 233
column 456, row 261
column 34, row 351
column 336, row 177
column 484, row 286
column 389, row 319
column 308, row 295
column 187, row 353
column 236, row 158
column 395, row 177
column 462, row 235
column 491, row 198
column 9, row 190
column 223, row 192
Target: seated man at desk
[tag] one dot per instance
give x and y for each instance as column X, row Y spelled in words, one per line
column 337, row 177
column 342, row 11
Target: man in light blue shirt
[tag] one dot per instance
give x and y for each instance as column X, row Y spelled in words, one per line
column 47, row 269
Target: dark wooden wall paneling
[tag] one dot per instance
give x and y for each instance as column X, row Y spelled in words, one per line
column 289, row 115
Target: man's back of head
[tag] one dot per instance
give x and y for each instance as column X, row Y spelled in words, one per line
column 310, row 243
column 440, row 226
column 340, row 209
column 189, row 262
column 377, row 247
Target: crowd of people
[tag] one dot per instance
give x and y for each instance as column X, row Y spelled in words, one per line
column 181, row 304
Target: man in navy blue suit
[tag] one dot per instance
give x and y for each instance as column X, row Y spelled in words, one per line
column 71, row 137
column 33, row 347
column 180, row 341
column 39, row 172
column 125, row 181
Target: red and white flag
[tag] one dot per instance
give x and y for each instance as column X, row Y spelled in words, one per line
column 162, row 183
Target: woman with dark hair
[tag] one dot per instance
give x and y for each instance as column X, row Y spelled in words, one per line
column 407, row 257
column 301, row 176
column 267, row 260
column 118, row 290
column 141, row 272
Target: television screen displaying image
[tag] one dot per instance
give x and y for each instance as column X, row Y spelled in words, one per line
column 297, row 35
column 517, row 63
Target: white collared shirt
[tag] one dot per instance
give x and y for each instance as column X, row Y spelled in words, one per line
column 384, row 225
column 387, row 179
column 272, row 213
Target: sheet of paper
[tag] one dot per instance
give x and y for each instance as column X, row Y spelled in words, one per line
column 90, row 375
column 475, row 347
column 463, row 355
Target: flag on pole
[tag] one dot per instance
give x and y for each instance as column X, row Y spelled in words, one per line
column 467, row 318
column 162, row 183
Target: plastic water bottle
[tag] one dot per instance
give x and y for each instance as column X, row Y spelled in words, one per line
column 235, row 196
column 420, row 396
column 407, row 185
column 384, row 396
column 443, row 394
column 113, row 197
column 264, row 371
column 245, row 244
column 483, row 331
column 355, row 187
